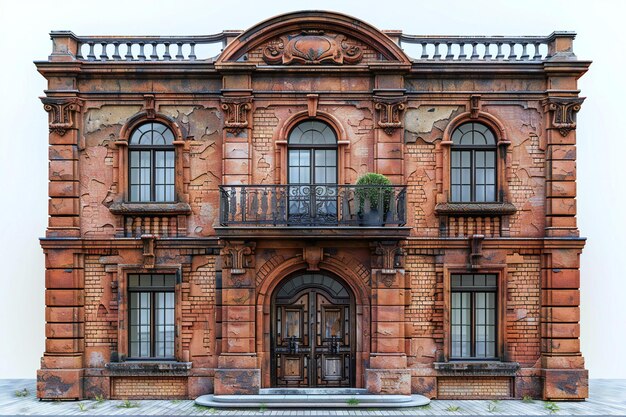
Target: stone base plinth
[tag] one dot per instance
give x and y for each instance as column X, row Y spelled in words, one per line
column 388, row 381
column 565, row 384
column 60, row 384
column 237, row 381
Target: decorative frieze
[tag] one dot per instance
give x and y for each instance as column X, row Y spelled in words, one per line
column 61, row 113
column 563, row 111
column 389, row 112
column 387, row 256
column 312, row 47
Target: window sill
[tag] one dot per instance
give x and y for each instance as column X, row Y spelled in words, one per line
column 149, row 208
column 467, row 367
column 148, row 368
column 482, row 209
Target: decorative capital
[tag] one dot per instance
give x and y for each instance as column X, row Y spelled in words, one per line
column 312, row 47
column 238, row 256
column 389, row 112
column 149, row 106
column 475, row 106
column 563, row 111
column 149, row 246
column 236, row 112
column 387, row 256
column 476, row 250
column 61, row 113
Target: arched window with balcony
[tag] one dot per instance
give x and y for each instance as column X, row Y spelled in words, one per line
column 312, row 166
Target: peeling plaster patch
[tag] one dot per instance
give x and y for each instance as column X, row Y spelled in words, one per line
column 108, row 116
column 96, row 360
column 422, row 119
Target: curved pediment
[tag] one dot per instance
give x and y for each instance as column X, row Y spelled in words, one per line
column 312, row 38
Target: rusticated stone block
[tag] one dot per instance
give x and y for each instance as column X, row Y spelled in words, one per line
column 560, row 330
column 65, row 314
column 388, row 381
column 424, row 385
column 62, row 152
column 64, row 278
column 389, row 166
column 561, row 297
column 58, row 206
column 389, row 150
column 238, row 344
column 565, row 258
column 237, row 381
column 63, row 188
column 563, row 170
column 387, row 313
column 561, row 189
column 562, row 206
column 563, row 362
column 64, row 222
column 64, row 298
column 390, row 344
column 199, row 385
column 563, row 152
column 59, row 384
column 389, row 329
column 62, row 170
column 571, row 384
column 239, row 313
column 560, row 314
column 389, row 296
column 59, row 258
column 563, row 278
column 392, row 361
column 64, row 330
column 569, row 222
column 226, row 361
column 97, row 387
column 557, row 346
column 64, row 345
column 236, row 150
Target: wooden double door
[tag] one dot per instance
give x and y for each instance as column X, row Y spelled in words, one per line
column 313, row 333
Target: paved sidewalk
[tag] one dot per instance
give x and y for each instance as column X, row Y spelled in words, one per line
column 607, row 397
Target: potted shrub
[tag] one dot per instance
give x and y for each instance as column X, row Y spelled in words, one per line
column 374, row 199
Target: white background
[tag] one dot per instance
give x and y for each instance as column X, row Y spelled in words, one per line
column 24, row 28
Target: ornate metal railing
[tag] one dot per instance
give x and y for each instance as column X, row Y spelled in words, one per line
column 198, row 48
column 313, row 205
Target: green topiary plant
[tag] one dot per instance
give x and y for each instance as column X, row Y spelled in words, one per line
column 373, row 195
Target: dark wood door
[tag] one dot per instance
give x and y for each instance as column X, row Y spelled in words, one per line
column 312, row 334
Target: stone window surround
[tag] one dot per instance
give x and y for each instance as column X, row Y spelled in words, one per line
column 502, row 163
column 500, row 270
column 121, row 170
column 123, row 317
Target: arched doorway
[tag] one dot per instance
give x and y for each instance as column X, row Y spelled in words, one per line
column 313, row 332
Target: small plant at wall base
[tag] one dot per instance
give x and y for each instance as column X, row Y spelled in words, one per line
column 453, row 408
column 353, row 402
column 378, row 192
column 551, row 407
column 128, row 404
column 22, row 393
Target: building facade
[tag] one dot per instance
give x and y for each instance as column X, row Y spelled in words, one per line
column 215, row 227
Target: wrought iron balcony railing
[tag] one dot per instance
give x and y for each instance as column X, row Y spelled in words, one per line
column 300, row 205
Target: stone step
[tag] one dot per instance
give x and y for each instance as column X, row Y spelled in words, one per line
column 313, row 391
column 316, row 400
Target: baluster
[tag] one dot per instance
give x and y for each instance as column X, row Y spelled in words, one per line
column 497, row 227
column 345, row 215
column 242, row 203
column 462, row 54
column 474, row 51
column 525, row 55
column 437, row 54
column 274, row 203
column 142, row 55
column 179, row 52
column 129, row 51
column 103, row 53
column 500, row 54
column 137, row 226
column 537, row 55
column 254, row 204
column 393, row 209
column 512, row 55
column 232, row 206
column 153, row 54
column 128, row 227
column 282, row 205
column 166, row 54
column 192, row 52
column 487, row 55
column 91, row 55
column 147, row 226
column 424, row 52
column 264, row 205
column 116, row 51
column 449, row 53
column 163, row 227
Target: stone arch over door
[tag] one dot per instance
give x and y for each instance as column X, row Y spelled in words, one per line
column 362, row 311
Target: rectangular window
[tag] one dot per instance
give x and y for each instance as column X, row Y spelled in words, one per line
column 473, row 316
column 151, row 311
column 151, row 175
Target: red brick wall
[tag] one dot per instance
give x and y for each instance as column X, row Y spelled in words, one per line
column 148, row 388
column 474, row 387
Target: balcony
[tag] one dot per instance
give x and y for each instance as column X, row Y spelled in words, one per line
column 318, row 209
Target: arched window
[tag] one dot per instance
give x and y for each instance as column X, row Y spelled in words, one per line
column 312, row 160
column 151, row 156
column 473, row 164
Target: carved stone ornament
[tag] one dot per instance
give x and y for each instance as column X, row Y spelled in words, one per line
column 61, row 113
column 312, row 47
column 149, row 106
column 149, row 246
column 564, row 112
column 389, row 113
column 388, row 257
column 475, row 250
column 236, row 112
column 238, row 256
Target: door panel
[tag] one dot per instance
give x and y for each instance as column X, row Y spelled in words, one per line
column 312, row 338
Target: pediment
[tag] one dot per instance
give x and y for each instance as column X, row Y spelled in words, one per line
column 312, row 38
